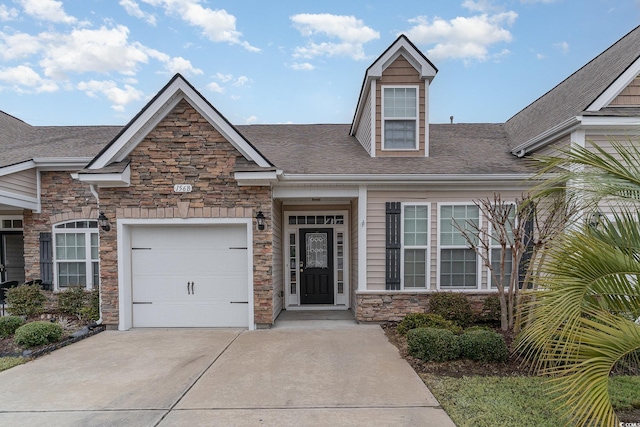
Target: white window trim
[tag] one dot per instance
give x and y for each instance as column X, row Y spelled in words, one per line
column 497, row 246
column 88, row 261
column 11, row 218
column 416, row 118
column 427, row 247
column 439, row 248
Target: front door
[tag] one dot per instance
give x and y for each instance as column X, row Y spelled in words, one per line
column 316, row 266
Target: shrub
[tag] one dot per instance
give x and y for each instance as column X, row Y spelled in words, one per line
column 9, row 324
column 483, row 346
column 433, row 344
column 76, row 301
column 37, row 333
column 491, row 309
column 452, row 306
column 25, row 300
column 426, row 320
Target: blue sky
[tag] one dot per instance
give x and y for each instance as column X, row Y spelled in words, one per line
column 79, row 62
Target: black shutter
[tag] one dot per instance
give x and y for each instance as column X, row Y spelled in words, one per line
column 46, row 259
column 393, row 246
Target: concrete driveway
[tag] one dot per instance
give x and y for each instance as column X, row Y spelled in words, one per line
column 309, row 376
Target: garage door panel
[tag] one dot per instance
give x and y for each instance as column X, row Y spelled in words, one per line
column 190, row 276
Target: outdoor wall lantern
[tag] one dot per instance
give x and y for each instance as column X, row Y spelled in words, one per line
column 103, row 222
column 595, row 219
column 260, row 220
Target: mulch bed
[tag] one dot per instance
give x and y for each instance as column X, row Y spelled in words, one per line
column 8, row 348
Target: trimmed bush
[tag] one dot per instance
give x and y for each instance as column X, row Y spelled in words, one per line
column 37, row 333
column 77, row 301
column 25, row 300
column 9, row 324
column 491, row 309
column 433, row 344
column 426, row 320
column 484, row 346
column 452, row 306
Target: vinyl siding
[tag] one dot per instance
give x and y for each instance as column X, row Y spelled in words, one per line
column 630, row 96
column 400, row 72
column 363, row 134
column 376, row 200
column 24, row 183
column 552, row 149
column 353, row 266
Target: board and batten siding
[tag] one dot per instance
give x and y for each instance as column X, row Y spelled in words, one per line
column 630, row 96
column 376, row 215
column 23, row 183
column 400, row 72
column 278, row 251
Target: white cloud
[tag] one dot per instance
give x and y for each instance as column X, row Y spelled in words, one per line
column 133, row 9
column 16, row 46
column 216, row 24
column 250, row 120
column 242, row 81
column 302, row 66
column 350, row 32
column 7, row 14
column 562, row 46
column 103, row 50
column 118, row 97
column 47, row 10
column 224, row 77
column 215, row 87
column 462, row 37
column 24, row 78
column 539, row 56
column 182, row 66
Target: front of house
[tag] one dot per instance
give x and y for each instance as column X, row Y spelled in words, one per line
column 207, row 224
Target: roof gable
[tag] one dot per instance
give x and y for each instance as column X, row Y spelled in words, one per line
column 176, row 90
column 590, row 88
column 401, row 47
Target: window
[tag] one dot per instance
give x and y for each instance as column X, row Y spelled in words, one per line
column 458, row 262
column 400, row 118
column 76, row 254
column 415, row 241
column 496, row 252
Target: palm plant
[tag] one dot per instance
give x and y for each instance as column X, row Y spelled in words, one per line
column 582, row 321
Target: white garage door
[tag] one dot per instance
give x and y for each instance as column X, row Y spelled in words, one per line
column 189, row 276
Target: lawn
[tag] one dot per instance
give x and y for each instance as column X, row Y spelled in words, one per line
column 517, row 401
column 10, row 362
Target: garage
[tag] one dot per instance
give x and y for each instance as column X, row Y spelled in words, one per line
column 189, row 275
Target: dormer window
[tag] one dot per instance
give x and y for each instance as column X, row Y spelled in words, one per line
column 400, row 117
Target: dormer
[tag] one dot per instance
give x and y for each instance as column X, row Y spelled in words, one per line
column 392, row 116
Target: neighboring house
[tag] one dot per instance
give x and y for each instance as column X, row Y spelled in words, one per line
column 212, row 224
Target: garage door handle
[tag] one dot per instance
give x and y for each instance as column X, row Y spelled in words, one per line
column 239, row 302
column 190, row 288
column 142, row 302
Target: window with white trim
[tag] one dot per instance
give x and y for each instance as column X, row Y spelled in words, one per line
column 458, row 262
column 400, row 118
column 415, row 245
column 495, row 247
column 76, row 254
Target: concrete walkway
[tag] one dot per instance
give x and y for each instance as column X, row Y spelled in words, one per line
column 344, row 374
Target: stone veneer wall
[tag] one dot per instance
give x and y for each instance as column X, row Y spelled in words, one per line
column 185, row 149
column 61, row 199
column 393, row 306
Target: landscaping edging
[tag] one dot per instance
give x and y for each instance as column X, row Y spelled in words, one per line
column 79, row 335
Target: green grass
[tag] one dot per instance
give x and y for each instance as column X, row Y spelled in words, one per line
column 10, row 362
column 513, row 401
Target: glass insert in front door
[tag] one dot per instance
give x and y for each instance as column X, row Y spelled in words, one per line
column 316, row 266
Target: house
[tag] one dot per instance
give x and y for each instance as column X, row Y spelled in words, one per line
column 185, row 220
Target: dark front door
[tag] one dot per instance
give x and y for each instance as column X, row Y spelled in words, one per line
column 316, row 266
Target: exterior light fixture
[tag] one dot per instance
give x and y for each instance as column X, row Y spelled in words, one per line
column 595, row 219
column 103, row 222
column 260, row 220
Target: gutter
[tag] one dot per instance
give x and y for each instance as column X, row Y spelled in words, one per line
column 403, row 178
column 546, row 136
column 98, row 322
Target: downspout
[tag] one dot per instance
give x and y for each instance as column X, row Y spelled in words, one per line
column 92, row 187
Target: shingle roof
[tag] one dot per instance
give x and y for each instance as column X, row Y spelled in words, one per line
column 329, row 149
column 573, row 95
column 21, row 142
